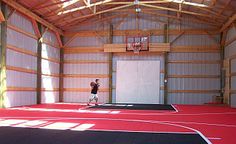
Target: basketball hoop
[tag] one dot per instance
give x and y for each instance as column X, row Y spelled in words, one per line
column 137, row 46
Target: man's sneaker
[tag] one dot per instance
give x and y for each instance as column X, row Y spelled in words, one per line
column 96, row 104
column 88, row 104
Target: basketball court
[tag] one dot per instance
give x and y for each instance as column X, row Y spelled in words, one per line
column 117, row 72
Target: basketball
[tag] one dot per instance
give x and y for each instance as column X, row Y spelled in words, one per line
column 92, row 84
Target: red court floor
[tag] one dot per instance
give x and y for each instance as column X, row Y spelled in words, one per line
column 216, row 123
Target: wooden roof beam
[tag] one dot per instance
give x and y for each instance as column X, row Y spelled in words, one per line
column 228, row 23
column 30, row 14
column 90, row 15
column 64, row 14
column 225, row 6
column 161, row 1
column 88, row 4
column 68, row 3
column 2, row 18
column 181, row 18
column 175, row 10
column 108, row 18
column 36, row 28
column 49, row 5
column 83, row 7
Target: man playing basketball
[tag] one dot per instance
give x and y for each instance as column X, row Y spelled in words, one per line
column 94, row 89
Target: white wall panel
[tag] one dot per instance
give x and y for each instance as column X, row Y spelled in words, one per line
column 50, row 97
column 156, row 39
column 193, row 56
column 84, row 82
column 189, row 98
column 196, row 40
column 119, row 40
column 49, row 67
column 193, row 84
column 51, row 37
column 87, row 56
column 21, row 60
column 22, row 41
column 21, row 22
column 153, row 57
column 231, row 33
column 49, row 82
column 233, row 100
column 87, row 41
column 193, row 69
column 230, row 49
column 188, row 24
column 19, row 79
column 13, row 98
column 86, row 68
column 84, row 97
column 50, row 52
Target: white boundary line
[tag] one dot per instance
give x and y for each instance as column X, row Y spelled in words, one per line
column 175, row 108
column 125, row 113
column 143, row 121
column 65, row 118
column 120, row 130
column 207, row 140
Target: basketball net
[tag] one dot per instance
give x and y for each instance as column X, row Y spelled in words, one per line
column 137, row 46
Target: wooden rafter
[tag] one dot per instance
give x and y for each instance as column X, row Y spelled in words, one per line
column 99, row 20
column 36, row 28
column 2, row 18
column 59, row 39
column 90, row 15
column 181, row 18
column 64, row 13
column 30, row 14
column 215, row 14
column 160, row 1
column 50, row 5
column 11, row 13
column 177, row 37
column 228, row 23
column 61, row 9
column 39, row 4
column 225, row 6
column 176, row 10
column 88, row 5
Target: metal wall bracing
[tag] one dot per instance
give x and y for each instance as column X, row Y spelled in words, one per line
column 193, row 67
column 21, row 62
column 50, row 68
column 230, row 66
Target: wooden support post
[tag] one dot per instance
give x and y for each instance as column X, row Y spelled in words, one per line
column 61, row 79
column 223, row 71
column 110, row 41
column 3, row 82
column 166, row 40
column 230, row 78
column 39, row 65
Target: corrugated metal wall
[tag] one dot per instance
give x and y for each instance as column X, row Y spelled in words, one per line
column 177, row 81
column 230, row 55
column 200, row 86
column 193, row 78
column 50, row 68
column 82, row 68
column 21, row 62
